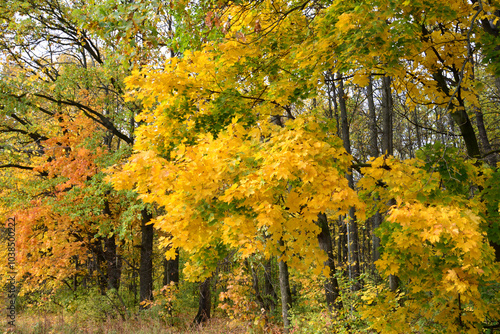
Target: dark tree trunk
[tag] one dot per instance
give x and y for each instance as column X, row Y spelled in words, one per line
column 255, row 284
column 376, row 220
column 205, row 303
column 343, row 117
column 146, row 265
column 374, row 152
column 366, row 247
column 393, row 283
column 286, row 295
column 171, row 270
column 463, row 121
column 75, row 276
column 387, row 142
column 342, row 244
column 491, row 159
column 133, row 287
column 393, row 279
column 353, row 249
column 460, row 117
column 270, row 296
column 387, row 111
column 332, row 97
column 417, row 129
column 331, row 284
column 483, row 137
column 113, row 268
column 352, row 226
column 96, row 263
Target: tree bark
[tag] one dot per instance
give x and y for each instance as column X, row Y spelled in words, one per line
column 393, row 283
column 270, row 296
column 255, row 284
column 113, row 268
column 342, row 244
column 387, row 141
column 96, row 264
column 352, row 226
column 146, row 265
column 343, row 117
column 417, row 129
column 387, row 111
column 332, row 97
column 393, row 279
column 463, row 121
column 376, row 221
column 205, row 303
column 459, row 115
column 481, row 129
column 171, row 270
column 374, row 152
column 483, row 137
column 286, row 295
column 331, row 283
column 353, row 249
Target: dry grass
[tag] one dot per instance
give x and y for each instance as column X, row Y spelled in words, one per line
column 58, row 323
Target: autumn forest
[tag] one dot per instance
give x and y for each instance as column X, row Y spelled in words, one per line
column 270, row 166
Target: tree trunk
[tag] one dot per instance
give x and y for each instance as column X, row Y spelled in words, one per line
column 270, row 295
column 393, row 283
column 353, row 249
column 205, row 303
column 132, row 277
column 417, row 128
column 75, row 276
column 286, row 295
column 342, row 244
column 387, row 111
column 483, row 137
column 491, row 159
column 255, row 284
column 343, row 117
column 331, row 284
column 110, row 256
column 134, row 287
column 387, row 141
column 376, row 220
column 461, row 118
column 146, row 266
column 96, row 264
column 463, row 121
column 332, row 97
column 352, row 226
column 393, row 279
column 171, row 270
column 374, row 152
column 113, row 270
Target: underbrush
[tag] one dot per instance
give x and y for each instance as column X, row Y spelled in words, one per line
column 33, row 323
column 89, row 312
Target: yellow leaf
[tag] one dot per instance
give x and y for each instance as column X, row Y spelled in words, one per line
column 361, row 80
column 293, row 202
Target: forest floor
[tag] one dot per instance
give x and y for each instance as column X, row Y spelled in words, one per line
column 57, row 323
